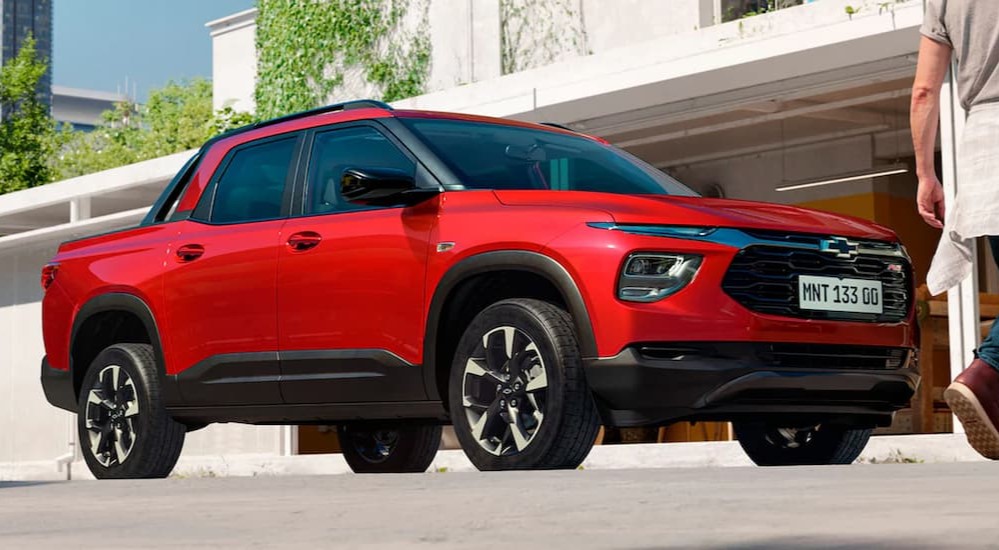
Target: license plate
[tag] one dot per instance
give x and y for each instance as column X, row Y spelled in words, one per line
column 844, row 295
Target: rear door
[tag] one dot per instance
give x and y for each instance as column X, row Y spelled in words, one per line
column 220, row 286
column 351, row 279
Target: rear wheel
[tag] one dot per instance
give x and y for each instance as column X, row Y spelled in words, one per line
column 769, row 444
column 125, row 431
column 518, row 395
column 389, row 449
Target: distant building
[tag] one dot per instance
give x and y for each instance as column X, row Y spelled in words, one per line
column 82, row 108
column 21, row 18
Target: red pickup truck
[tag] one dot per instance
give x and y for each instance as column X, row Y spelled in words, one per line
column 393, row 271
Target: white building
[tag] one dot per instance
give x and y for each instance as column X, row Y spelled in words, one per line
column 802, row 95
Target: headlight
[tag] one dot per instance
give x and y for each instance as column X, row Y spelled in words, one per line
column 650, row 277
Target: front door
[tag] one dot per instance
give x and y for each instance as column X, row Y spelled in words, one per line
column 351, row 279
column 220, row 284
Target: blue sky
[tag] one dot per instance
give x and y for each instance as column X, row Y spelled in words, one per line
column 98, row 43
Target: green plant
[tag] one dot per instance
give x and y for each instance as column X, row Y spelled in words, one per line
column 534, row 33
column 28, row 135
column 307, row 51
column 177, row 117
column 752, row 9
column 851, row 11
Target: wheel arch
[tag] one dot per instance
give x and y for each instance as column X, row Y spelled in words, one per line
column 520, row 261
column 90, row 334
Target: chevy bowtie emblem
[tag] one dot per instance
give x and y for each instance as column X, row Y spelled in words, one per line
column 839, row 246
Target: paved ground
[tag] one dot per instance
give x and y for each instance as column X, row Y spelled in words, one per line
column 860, row 506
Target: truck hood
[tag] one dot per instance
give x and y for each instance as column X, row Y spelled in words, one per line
column 697, row 211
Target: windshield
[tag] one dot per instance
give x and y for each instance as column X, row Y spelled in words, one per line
column 496, row 156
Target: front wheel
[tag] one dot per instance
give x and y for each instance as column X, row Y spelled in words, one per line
column 518, row 395
column 389, row 449
column 768, row 444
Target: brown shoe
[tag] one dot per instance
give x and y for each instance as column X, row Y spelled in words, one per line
column 974, row 398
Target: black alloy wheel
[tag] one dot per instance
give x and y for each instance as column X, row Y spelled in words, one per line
column 372, row 449
column 517, row 392
column 111, row 415
column 769, row 444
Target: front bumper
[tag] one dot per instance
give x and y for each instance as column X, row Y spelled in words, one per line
column 667, row 382
column 58, row 387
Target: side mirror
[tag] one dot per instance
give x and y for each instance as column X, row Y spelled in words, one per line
column 379, row 187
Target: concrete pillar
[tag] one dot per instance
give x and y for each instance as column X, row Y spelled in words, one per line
column 709, row 13
column 288, row 443
column 79, row 209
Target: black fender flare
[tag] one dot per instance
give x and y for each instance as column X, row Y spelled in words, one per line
column 123, row 301
column 505, row 260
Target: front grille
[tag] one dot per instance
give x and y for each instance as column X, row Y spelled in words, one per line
column 764, row 277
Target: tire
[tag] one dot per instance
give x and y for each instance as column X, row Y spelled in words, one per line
column 771, row 445
column 518, row 394
column 124, row 429
column 401, row 449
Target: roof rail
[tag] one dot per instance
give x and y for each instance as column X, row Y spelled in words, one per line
column 345, row 106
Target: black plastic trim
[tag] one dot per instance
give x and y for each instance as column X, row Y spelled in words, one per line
column 633, row 389
column 173, row 191
column 507, row 260
column 345, row 106
column 58, row 387
column 321, row 377
column 349, row 376
column 432, row 411
column 120, row 301
column 232, row 379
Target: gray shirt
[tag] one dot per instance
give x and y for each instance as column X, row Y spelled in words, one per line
column 971, row 27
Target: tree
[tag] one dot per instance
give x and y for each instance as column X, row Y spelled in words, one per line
column 176, row 118
column 28, row 135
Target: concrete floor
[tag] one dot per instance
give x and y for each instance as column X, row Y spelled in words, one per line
column 859, row 506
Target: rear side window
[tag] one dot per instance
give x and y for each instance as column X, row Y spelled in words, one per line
column 252, row 187
column 336, row 151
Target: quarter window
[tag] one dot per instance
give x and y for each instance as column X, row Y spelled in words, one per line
column 336, row 151
column 252, row 186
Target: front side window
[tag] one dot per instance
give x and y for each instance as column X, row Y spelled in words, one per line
column 252, row 186
column 498, row 156
column 336, row 151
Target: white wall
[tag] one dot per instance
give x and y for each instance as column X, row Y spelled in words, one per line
column 623, row 22
column 30, row 429
column 234, row 60
column 465, row 39
column 33, row 432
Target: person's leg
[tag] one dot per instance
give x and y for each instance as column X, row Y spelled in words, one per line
column 989, row 350
column 974, row 395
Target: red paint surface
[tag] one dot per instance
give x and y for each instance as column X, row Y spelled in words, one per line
column 369, row 281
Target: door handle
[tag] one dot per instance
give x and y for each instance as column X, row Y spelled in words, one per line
column 190, row 252
column 305, row 240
